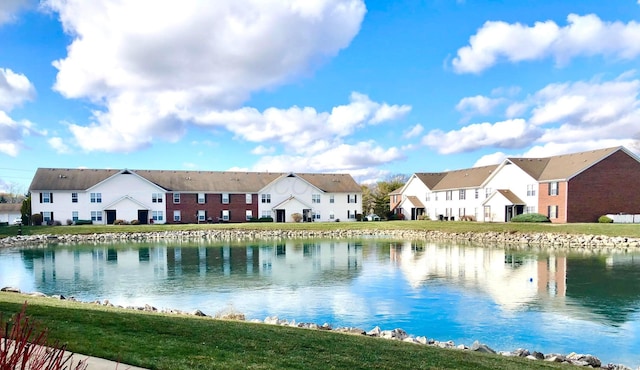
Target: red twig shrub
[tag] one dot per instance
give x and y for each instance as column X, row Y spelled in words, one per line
column 22, row 347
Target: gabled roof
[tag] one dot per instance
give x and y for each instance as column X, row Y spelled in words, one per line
column 510, row 196
column 430, row 179
column 562, row 167
column 68, row 179
column 414, row 201
column 187, row 181
column 289, row 200
column 465, row 178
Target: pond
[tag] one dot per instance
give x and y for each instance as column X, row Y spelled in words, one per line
column 547, row 301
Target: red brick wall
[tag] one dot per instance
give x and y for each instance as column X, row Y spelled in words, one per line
column 545, row 200
column 611, row 186
column 213, row 207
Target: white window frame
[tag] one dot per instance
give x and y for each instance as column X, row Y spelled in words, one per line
column 156, row 198
column 225, row 215
column 96, row 197
column 96, row 216
column 248, row 214
column 265, row 198
column 224, row 198
column 531, row 190
column 315, row 198
column 248, row 198
column 74, row 197
column 202, row 215
column 449, row 195
column 75, row 216
column 177, row 216
column 157, row 215
column 266, row 213
column 552, row 211
column 332, row 198
column 553, row 188
column 47, row 216
column 487, row 192
column 176, row 198
column 462, row 194
column 202, row 198
column 46, row 197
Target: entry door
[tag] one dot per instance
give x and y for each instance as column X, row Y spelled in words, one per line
column 280, row 215
column 508, row 211
column 143, row 216
column 111, row 216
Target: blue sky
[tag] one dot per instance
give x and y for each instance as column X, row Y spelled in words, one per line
column 370, row 88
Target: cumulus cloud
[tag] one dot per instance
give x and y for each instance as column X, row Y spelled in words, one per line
column 9, row 8
column 559, row 118
column 414, row 131
column 151, row 67
column 304, row 130
column 510, row 134
column 15, row 89
column 584, row 35
column 59, row 145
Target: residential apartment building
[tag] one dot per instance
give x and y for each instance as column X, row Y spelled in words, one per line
column 158, row 196
column 577, row 187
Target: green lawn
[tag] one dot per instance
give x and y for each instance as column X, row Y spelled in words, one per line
column 628, row 230
column 158, row 341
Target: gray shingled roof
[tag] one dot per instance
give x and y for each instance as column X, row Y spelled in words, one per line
column 562, row 167
column 465, row 178
column 10, row 207
column 187, row 181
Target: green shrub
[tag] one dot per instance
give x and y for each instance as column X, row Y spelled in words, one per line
column 36, row 219
column 605, row 220
column 530, row 217
column 83, row 222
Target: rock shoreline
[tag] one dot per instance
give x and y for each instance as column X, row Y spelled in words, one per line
column 583, row 360
column 513, row 239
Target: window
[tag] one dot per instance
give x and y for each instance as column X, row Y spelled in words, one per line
column 225, row 198
column 352, row 198
column 225, row 215
column 316, row 216
column 176, row 198
column 74, row 216
column 331, row 215
column 462, row 195
column 553, row 188
column 266, row 198
column 487, row 192
column 96, row 197
column 427, row 197
column 156, row 198
column 531, row 190
column 46, row 198
column 177, row 216
column 351, row 215
column 332, row 198
column 248, row 214
column 530, row 209
column 435, row 196
column 157, row 215
column 477, row 193
column 47, row 217
column 315, row 198
column 201, row 198
column 96, row 216
column 552, row 211
column 449, row 195
column 462, row 212
column 248, row 198
column 266, row 213
column 202, row 215
column 74, row 197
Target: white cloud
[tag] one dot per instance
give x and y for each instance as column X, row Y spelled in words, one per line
column 303, row 130
column 490, row 159
column 511, row 134
column 559, row 118
column 477, row 105
column 9, row 8
column 413, row 131
column 584, row 35
column 15, row 89
column 153, row 66
column 263, row 150
column 12, row 134
column 59, row 145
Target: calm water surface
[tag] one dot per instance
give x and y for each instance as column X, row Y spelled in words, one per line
column 546, row 301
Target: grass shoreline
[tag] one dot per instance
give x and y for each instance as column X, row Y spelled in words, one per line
column 164, row 341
